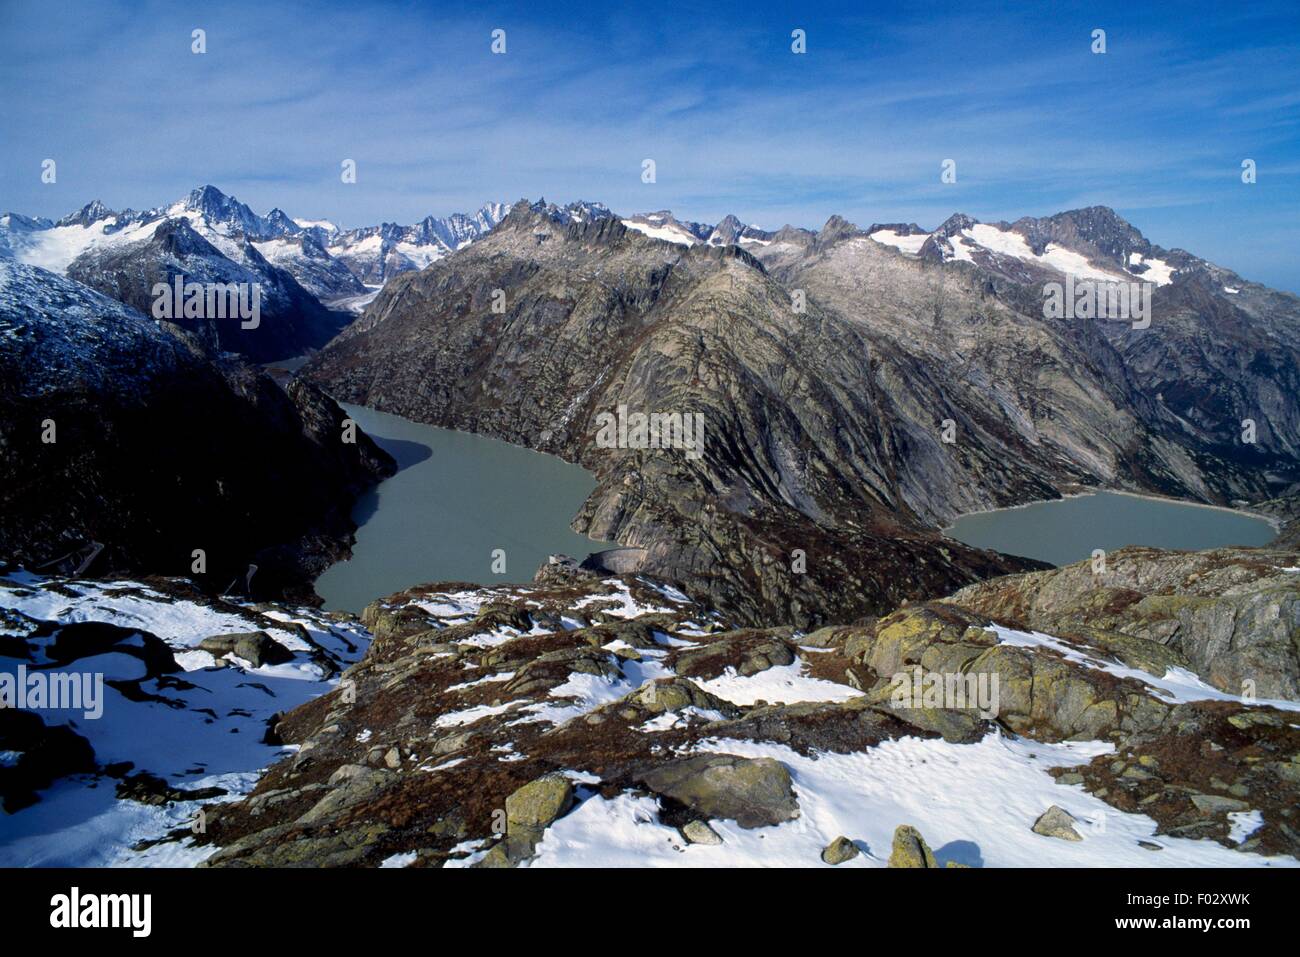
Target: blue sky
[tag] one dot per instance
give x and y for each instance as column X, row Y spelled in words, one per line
column 1157, row 127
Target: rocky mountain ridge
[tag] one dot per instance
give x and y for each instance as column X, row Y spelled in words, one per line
column 857, row 393
column 133, row 447
column 310, row 275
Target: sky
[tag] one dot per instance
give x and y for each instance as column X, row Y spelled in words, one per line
column 736, row 122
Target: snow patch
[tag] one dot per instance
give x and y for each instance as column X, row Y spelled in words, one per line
column 908, row 244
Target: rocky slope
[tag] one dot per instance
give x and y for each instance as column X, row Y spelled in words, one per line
column 529, row 700
column 311, row 274
column 1232, row 614
column 652, row 714
column 611, row 721
column 597, row 315
column 189, row 684
column 856, row 389
column 1061, row 400
column 129, row 444
column 291, row 319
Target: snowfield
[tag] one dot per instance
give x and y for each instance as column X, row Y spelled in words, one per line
column 908, row 244
column 670, row 233
column 1012, row 245
column 205, row 731
column 55, row 248
column 975, row 804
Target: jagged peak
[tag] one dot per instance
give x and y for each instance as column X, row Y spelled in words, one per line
column 793, row 234
column 203, row 196
column 835, row 229
column 92, row 212
column 955, row 224
column 578, row 211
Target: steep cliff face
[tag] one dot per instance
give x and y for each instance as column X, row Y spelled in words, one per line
column 129, row 446
column 1042, row 402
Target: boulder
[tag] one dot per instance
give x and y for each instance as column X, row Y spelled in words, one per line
column 754, row 792
column 1212, row 804
column 747, row 652
column 529, row 811
column 1057, row 822
column 538, row 803
column 840, row 850
column 699, row 832
column 910, row 849
column 676, row 694
column 256, row 647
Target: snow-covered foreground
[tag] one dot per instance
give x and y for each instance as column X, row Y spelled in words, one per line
column 975, row 804
column 1176, row 685
column 203, row 727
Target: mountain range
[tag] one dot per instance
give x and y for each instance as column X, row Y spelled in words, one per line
column 134, row 447
column 313, row 275
column 860, row 387
column 722, row 686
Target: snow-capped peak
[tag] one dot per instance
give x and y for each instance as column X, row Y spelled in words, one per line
column 92, row 212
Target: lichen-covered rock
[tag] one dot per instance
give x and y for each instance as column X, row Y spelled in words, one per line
column 529, row 812
column 745, row 652
column 909, row 849
column 1045, row 695
column 840, row 850
column 349, row 785
column 538, row 803
column 753, row 792
column 479, row 728
column 1230, row 614
column 1056, row 822
column 676, row 694
column 699, row 832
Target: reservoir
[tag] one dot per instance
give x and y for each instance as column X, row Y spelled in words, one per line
column 1067, row 530
column 455, row 499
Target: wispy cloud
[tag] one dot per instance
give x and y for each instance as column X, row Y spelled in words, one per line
column 1157, row 127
